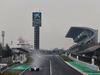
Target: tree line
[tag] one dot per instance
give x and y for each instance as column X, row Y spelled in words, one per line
column 5, row 51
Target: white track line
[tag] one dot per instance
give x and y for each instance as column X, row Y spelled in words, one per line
column 50, row 68
column 25, row 70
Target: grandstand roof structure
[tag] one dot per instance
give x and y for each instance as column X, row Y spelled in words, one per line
column 82, row 34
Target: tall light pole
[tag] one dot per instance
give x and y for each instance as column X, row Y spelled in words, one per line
column 3, row 34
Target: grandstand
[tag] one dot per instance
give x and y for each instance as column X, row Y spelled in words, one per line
column 86, row 41
column 83, row 34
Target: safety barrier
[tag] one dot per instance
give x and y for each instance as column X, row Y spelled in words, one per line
column 4, row 67
column 84, row 64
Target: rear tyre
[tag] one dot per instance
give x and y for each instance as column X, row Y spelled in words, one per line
column 32, row 69
column 37, row 69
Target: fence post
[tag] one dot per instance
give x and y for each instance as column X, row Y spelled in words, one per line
column 70, row 55
column 77, row 57
column 0, row 68
column 92, row 61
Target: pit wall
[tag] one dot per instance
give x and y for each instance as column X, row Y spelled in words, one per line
column 84, row 64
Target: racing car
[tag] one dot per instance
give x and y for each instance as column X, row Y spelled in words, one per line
column 34, row 68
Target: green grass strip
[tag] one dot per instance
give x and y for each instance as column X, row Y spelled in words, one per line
column 65, row 58
column 9, row 73
column 30, row 60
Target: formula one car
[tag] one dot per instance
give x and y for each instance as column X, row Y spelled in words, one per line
column 34, row 68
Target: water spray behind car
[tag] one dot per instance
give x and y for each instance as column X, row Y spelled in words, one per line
column 38, row 60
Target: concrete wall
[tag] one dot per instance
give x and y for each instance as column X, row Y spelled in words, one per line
column 84, row 64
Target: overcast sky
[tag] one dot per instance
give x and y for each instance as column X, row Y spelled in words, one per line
column 57, row 17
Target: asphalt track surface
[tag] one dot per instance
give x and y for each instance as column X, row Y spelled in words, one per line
column 52, row 65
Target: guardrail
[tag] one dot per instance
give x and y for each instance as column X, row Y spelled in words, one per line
column 4, row 68
column 84, row 64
